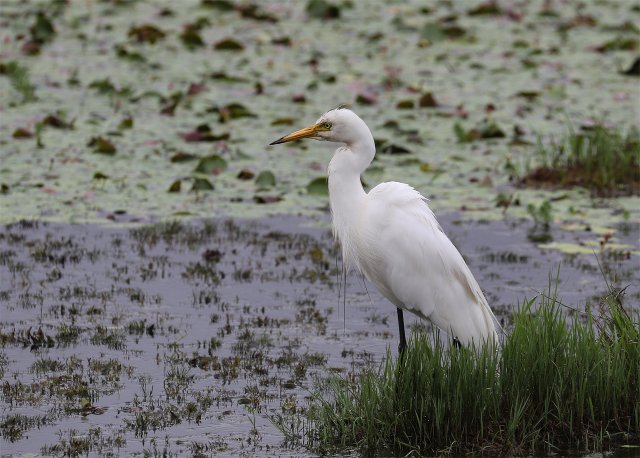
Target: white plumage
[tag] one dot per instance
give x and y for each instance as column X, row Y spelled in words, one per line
column 391, row 235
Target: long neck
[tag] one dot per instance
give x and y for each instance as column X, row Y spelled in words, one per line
column 347, row 197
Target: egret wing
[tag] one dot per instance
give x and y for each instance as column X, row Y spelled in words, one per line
column 415, row 265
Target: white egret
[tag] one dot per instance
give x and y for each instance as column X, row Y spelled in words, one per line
column 391, row 235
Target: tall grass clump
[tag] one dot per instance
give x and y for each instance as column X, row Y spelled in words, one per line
column 557, row 383
column 601, row 159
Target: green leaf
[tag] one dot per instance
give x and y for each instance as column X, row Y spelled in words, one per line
column 106, row 87
column 126, row 123
column 201, row 184
column 191, row 38
column 21, row 133
column 321, row 9
column 57, row 122
column 490, row 8
column 228, row 44
column 265, row 179
column 220, row 5
column 176, row 186
column 427, row 100
column 102, row 146
column 489, row 129
column 267, row 199
column 211, row 164
column 233, row 111
column 181, row 156
column 318, row 187
column 619, row 44
column 432, row 32
column 100, row 176
column 146, row 33
column 245, row 174
column 42, row 30
column 283, row 122
column 123, row 52
column 394, row 149
column 406, row 104
column 222, row 76
column 461, row 134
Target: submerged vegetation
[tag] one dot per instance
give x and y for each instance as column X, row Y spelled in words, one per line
column 604, row 160
column 557, row 383
column 179, row 329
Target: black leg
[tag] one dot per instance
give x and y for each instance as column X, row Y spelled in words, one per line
column 403, row 339
column 457, row 343
column 397, row 405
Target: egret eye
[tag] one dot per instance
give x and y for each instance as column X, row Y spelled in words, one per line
column 326, row 125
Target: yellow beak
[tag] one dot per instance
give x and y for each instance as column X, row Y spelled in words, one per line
column 307, row 132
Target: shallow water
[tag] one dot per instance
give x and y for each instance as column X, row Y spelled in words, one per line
column 189, row 337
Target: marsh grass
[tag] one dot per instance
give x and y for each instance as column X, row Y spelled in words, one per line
column 604, row 160
column 558, row 383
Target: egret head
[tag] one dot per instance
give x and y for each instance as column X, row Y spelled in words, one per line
column 338, row 125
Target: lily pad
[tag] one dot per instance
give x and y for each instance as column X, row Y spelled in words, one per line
column 392, row 148
column 228, row 44
column 318, row 187
column 406, row 104
column 202, row 133
column 191, row 38
column 427, row 100
column 485, row 130
column 245, row 174
column 321, row 9
column 213, row 164
column 146, row 33
column 100, row 176
column 225, row 77
column 102, row 146
column 56, row 122
column 490, row 8
column 220, row 5
column 283, row 122
column 620, row 43
column 634, row 68
column 233, row 111
column 267, row 199
column 434, row 32
column 253, row 11
column 265, row 179
column 22, row 134
column 126, row 123
column 282, row 41
column 366, row 99
column 181, row 156
column 42, row 31
column 201, row 184
column 106, row 87
column 123, row 52
column 170, row 108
